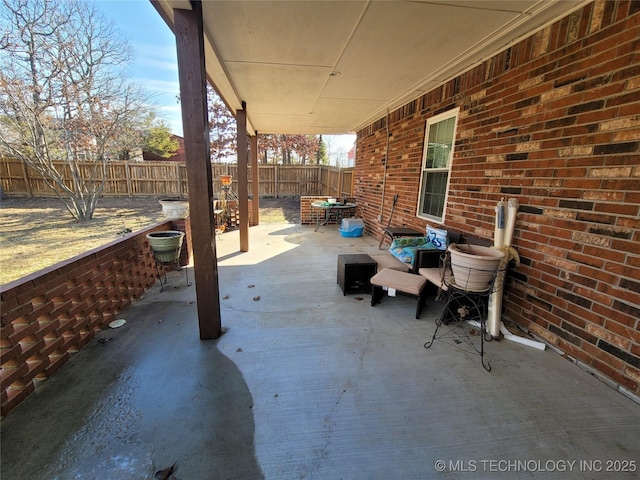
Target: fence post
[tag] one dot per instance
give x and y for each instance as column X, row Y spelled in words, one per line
column 179, row 177
column 127, row 174
column 27, row 180
column 276, row 173
column 183, row 184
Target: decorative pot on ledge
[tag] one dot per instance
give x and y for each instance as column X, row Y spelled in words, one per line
column 175, row 208
column 474, row 266
column 166, row 245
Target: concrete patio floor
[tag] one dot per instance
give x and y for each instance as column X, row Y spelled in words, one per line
column 308, row 383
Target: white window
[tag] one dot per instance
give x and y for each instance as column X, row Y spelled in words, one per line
column 437, row 153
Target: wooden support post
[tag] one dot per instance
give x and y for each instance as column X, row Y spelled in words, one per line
column 255, row 180
column 243, row 182
column 193, row 97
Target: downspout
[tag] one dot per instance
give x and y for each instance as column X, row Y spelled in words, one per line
column 384, row 175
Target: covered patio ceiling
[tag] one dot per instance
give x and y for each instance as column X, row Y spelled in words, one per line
column 333, row 67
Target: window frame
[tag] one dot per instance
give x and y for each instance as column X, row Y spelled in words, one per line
column 453, row 113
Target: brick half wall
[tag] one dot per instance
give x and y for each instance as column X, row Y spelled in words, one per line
column 51, row 314
column 310, row 215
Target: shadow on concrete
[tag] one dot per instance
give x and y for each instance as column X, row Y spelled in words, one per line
column 137, row 400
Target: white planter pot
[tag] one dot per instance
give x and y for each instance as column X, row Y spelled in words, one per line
column 175, row 209
column 166, row 245
column 474, row 266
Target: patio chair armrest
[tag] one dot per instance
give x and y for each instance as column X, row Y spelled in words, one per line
column 426, row 259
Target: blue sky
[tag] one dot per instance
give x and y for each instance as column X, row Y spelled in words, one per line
column 155, row 64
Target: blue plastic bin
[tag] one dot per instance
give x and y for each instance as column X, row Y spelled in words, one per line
column 351, row 227
column 354, row 232
column 348, row 224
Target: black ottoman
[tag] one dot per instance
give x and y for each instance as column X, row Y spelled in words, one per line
column 354, row 272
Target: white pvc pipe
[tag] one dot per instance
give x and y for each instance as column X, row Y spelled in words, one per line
column 510, row 336
column 525, row 341
column 495, row 310
column 502, row 238
column 495, row 300
column 499, row 232
column 511, row 221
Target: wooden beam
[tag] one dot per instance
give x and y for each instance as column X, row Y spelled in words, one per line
column 193, row 97
column 255, row 180
column 243, row 181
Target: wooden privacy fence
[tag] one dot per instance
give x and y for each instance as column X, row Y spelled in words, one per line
column 336, row 182
column 131, row 179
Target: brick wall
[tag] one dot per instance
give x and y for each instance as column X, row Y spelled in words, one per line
column 308, row 215
column 553, row 121
column 51, row 314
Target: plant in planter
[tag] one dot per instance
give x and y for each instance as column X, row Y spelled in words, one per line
column 474, row 266
column 175, row 208
column 166, row 245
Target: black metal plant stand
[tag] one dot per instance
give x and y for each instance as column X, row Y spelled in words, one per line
column 461, row 308
column 175, row 262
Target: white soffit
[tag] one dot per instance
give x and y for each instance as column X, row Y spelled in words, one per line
column 334, row 67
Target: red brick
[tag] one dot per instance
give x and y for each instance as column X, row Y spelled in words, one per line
column 14, row 396
column 562, row 252
column 8, row 354
column 10, row 375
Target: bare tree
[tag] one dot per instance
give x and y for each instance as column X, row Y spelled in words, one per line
column 222, row 128
column 266, row 144
column 321, row 152
column 288, row 149
column 306, row 147
column 65, row 102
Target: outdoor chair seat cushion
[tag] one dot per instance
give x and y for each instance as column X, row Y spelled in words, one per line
column 385, row 260
column 401, row 281
column 404, row 282
column 404, row 248
column 434, row 276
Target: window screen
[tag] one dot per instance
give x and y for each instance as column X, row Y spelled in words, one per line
column 436, row 164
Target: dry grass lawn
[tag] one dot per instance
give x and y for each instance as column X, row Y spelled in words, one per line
column 39, row 232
